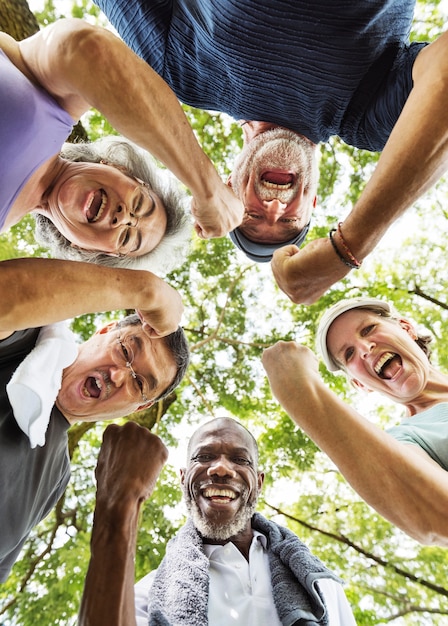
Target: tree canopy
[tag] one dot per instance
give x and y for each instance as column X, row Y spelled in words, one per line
column 233, row 310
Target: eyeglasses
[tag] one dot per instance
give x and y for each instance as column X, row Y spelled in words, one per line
column 128, row 356
column 142, row 206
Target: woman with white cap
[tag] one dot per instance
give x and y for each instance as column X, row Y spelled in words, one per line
column 401, row 473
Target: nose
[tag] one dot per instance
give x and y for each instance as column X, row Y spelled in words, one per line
column 273, row 210
column 365, row 347
column 119, row 375
column 123, row 217
column 221, row 467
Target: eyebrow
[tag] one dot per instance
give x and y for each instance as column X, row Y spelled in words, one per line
column 152, row 206
column 243, row 452
column 340, row 359
column 138, row 241
column 340, row 356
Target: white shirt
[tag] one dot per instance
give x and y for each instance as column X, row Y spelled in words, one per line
column 241, row 591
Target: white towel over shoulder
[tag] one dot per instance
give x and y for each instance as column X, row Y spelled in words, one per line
column 35, row 384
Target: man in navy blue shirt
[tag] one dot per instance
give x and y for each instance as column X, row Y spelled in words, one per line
column 316, row 69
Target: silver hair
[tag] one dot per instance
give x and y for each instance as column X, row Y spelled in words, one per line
column 178, row 346
column 120, row 152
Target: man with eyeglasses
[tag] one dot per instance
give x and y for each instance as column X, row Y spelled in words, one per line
column 48, row 382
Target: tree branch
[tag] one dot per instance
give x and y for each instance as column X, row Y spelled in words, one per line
column 443, row 591
column 214, row 333
column 418, row 292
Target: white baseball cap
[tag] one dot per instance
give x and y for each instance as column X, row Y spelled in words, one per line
column 333, row 313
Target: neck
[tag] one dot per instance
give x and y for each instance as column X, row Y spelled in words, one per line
column 32, row 195
column 435, row 392
column 253, row 129
column 242, row 541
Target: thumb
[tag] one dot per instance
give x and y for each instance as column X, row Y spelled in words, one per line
column 151, row 331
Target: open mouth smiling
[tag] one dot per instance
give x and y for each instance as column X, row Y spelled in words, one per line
column 92, row 387
column 282, row 181
column 96, row 207
column 387, row 365
column 276, row 185
column 219, row 495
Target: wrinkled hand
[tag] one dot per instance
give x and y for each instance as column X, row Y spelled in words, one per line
column 305, row 275
column 288, row 364
column 165, row 308
column 129, row 463
column 218, row 215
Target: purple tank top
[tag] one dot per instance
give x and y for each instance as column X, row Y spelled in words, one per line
column 33, row 128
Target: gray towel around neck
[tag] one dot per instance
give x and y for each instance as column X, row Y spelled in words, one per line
column 179, row 593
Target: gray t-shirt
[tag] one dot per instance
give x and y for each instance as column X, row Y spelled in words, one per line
column 31, row 479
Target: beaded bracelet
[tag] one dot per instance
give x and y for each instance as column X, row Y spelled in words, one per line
column 353, row 263
column 347, row 250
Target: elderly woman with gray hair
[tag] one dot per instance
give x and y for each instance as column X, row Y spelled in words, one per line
column 154, row 185
column 103, row 198
column 402, row 473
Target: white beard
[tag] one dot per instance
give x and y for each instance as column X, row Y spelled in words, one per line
column 217, row 531
column 277, row 148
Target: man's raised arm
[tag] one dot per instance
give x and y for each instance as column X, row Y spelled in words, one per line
column 87, row 66
column 414, row 158
column 129, row 463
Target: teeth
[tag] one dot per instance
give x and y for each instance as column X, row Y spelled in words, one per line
column 269, row 185
column 383, row 360
column 103, row 204
column 225, row 493
column 99, row 385
column 101, row 209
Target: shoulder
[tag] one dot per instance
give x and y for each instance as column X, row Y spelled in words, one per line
column 339, row 610
column 18, row 339
column 12, row 50
column 57, row 57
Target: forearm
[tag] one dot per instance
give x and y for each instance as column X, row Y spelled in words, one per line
column 129, row 463
column 108, row 596
column 97, row 65
column 37, row 292
column 414, row 158
column 147, row 111
column 407, row 489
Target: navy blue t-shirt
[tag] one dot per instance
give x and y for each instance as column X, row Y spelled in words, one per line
column 318, row 68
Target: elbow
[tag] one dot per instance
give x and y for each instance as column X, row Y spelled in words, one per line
column 428, row 533
column 432, row 538
column 79, row 42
